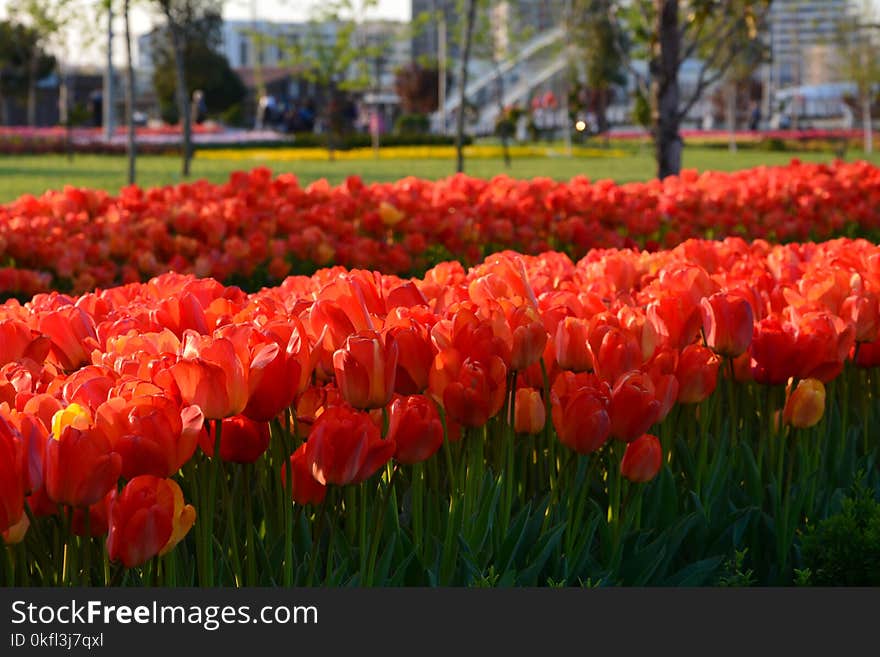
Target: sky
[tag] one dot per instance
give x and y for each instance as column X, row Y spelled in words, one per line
column 84, row 42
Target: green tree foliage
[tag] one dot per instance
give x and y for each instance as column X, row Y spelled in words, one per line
column 599, row 57
column 337, row 64
column 844, row 549
column 23, row 61
column 667, row 33
column 206, row 68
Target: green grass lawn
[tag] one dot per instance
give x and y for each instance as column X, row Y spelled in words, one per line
column 25, row 174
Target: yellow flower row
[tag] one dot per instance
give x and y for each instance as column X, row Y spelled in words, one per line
column 398, row 153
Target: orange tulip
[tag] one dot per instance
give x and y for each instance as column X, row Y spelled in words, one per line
column 530, row 414
column 806, row 405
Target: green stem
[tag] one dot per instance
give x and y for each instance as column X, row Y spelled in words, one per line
column 250, row 530
column 377, row 529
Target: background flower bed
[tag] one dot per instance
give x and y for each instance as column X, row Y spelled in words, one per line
column 255, row 230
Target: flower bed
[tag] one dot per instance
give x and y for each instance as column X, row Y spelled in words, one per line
column 633, row 418
column 255, row 230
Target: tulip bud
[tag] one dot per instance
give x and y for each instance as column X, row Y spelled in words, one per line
column 304, row 488
column 697, row 374
column 345, row 447
column 806, row 405
column 571, row 345
column 241, row 439
column 634, row 406
column 415, row 427
column 147, row 519
column 642, row 460
column 530, row 414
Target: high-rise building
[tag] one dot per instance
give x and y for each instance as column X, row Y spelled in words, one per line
column 802, row 36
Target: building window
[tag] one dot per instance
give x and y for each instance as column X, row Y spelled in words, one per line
column 243, row 50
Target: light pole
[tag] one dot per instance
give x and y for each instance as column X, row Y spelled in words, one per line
column 866, row 87
column 566, row 128
column 441, row 62
column 109, row 124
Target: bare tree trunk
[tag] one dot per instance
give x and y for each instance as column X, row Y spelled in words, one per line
column 182, row 90
column 505, row 136
column 4, row 118
column 64, row 117
column 665, row 93
column 131, row 143
column 602, row 114
column 32, row 90
column 468, row 31
column 730, row 94
column 867, row 124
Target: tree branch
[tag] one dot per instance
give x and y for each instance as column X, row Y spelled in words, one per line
column 617, row 43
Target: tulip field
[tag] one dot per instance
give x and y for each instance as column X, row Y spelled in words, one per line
column 463, row 382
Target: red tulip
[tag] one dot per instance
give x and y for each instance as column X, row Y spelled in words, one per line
column 414, row 426
column 471, row 391
column 697, row 374
column 823, row 343
column 676, row 319
column 642, row 460
column 212, row 374
column 415, row 353
column 617, row 353
column 863, row 311
column 634, row 406
column 151, row 433
column 728, row 324
column 147, row 519
column 98, row 515
column 273, row 386
column 773, row 351
column 529, row 337
column 304, row 488
column 345, row 447
column 21, row 341
column 579, row 410
column 72, row 333
column 13, row 475
column 81, row 466
column 241, row 439
column 365, row 367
